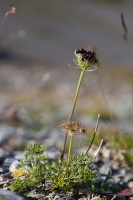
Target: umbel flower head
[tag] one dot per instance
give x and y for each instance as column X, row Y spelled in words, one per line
column 86, row 59
column 73, row 128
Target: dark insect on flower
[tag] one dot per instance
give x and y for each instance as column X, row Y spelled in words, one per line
column 86, row 59
column 73, row 128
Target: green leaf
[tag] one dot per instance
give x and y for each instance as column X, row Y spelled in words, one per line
column 30, row 193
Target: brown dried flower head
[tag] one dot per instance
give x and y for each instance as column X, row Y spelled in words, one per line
column 73, row 128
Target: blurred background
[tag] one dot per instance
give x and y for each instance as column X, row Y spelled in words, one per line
column 49, row 31
column 37, row 44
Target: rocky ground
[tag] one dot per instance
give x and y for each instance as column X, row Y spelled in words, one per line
column 14, row 139
column 34, row 102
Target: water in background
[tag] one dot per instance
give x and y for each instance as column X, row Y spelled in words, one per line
column 49, row 31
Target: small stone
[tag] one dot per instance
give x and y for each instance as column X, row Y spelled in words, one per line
column 105, row 167
column 7, row 163
column 5, row 132
column 13, row 166
column 98, row 180
column 55, row 136
column 52, row 155
column 130, row 184
column 129, row 177
column 42, row 134
column 19, row 155
column 1, row 170
column 7, row 195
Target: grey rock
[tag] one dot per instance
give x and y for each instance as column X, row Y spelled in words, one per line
column 6, row 131
column 63, row 195
column 124, row 172
column 98, row 180
column 130, row 184
column 2, row 156
column 55, row 136
column 129, row 176
column 13, row 166
column 80, row 150
column 105, row 167
column 7, row 163
column 7, row 195
column 52, row 155
column 19, row 155
column 116, row 179
column 51, row 195
column 42, row 134
column 1, row 170
column 59, row 196
column 119, row 175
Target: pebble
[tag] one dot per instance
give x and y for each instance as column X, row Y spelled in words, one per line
column 128, row 176
column 53, row 155
column 6, row 131
column 55, row 137
column 51, row 140
column 7, row 195
column 130, row 184
column 105, row 167
column 19, row 155
column 59, row 196
column 13, row 166
column 3, row 155
column 43, row 134
column 7, row 163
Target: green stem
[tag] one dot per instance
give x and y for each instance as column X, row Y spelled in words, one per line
column 69, row 150
column 76, row 94
column 73, row 108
